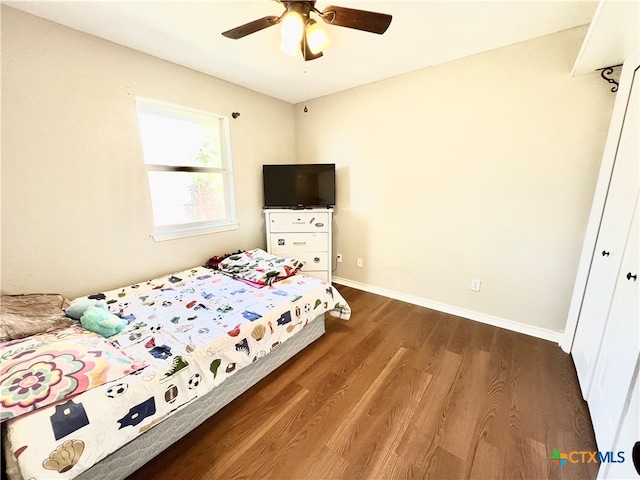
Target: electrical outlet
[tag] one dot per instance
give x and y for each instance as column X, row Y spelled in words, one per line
column 359, row 262
column 339, row 258
column 475, row 285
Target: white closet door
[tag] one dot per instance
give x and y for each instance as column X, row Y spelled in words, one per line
column 629, row 434
column 620, row 347
column 614, row 227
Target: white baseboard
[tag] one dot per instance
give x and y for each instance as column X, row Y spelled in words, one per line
column 537, row 332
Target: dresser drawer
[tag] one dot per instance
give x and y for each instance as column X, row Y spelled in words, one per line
column 298, row 242
column 312, row 260
column 321, row 274
column 299, row 221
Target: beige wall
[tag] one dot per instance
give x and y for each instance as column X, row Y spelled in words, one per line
column 76, row 214
column 480, row 168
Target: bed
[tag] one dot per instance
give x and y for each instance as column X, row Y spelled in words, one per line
column 193, row 341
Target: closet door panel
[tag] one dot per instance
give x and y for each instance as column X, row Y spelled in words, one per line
column 614, row 227
column 620, row 347
column 628, row 435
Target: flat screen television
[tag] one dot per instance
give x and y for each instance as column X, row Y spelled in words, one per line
column 299, row 186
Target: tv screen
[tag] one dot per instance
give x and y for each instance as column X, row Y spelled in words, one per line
column 300, row 185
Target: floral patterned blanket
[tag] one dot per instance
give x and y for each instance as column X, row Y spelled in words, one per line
column 43, row 369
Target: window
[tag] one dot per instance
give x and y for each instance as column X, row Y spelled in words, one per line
column 188, row 160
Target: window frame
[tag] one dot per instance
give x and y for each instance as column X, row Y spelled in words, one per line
column 189, row 229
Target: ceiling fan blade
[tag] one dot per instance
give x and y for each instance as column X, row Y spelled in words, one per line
column 359, row 19
column 251, row 27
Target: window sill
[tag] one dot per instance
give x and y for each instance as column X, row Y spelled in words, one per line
column 162, row 235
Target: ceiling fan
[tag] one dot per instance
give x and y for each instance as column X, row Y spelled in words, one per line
column 302, row 33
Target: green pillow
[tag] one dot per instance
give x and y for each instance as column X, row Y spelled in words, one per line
column 76, row 310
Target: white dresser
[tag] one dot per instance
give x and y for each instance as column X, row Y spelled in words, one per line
column 304, row 235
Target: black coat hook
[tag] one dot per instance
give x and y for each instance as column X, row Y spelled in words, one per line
column 235, row 114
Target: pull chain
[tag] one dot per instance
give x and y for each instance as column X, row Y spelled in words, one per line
column 305, row 92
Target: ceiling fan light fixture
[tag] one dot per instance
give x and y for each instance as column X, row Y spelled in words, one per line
column 292, row 26
column 317, row 39
column 289, row 46
column 292, row 31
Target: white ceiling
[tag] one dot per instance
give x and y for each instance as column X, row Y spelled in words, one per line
column 422, row 34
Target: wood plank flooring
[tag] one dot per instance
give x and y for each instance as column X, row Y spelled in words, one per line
column 397, row 392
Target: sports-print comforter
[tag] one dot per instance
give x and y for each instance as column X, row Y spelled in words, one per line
column 194, row 329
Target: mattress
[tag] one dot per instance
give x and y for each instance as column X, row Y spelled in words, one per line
column 195, row 330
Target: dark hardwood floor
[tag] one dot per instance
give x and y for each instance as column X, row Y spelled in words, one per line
column 398, row 392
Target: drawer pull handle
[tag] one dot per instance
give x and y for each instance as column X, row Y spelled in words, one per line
column 316, row 259
column 629, row 277
column 299, row 243
column 605, row 253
